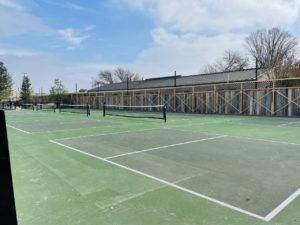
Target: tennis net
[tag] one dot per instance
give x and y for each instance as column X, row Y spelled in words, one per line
column 85, row 109
column 27, row 106
column 46, row 107
column 149, row 111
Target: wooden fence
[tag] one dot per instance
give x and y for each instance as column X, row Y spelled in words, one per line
column 268, row 98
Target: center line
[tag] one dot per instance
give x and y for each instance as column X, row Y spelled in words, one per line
column 166, row 146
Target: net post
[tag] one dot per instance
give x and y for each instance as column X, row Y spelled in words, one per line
column 104, row 108
column 164, row 112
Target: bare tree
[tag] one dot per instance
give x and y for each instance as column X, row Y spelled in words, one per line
column 231, row 61
column 104, row 77
column 114, row 76
column 295, row 69
column 274, row 49
column 209, row 68
column 122, row 75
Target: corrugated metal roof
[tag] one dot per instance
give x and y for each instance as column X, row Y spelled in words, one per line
column 199, row 79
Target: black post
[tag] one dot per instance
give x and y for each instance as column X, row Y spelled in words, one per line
column 42, row 100
column 175, row 78
column 104, row 109
column 165, row 113
column 127, row 84
column 88, row 110
column 8, row 208
column 256, row 72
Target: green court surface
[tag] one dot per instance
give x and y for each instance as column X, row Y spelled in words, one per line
column 193, row 169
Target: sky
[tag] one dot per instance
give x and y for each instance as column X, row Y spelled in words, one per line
column 74, row 40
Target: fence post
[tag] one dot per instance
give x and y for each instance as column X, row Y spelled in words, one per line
column 193, row 99
column 174, row 99
column 215, row 99
column 241, row 99
column 146, row 100
column 273, row 98
column 158, row 97
column 132, row 99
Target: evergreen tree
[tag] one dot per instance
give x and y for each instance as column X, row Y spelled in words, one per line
column 26, row 91
column 5, row 82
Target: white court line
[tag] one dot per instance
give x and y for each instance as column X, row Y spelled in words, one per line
column 23, row 131
column 204, row 123
column 284, row 204
column 166, row 146
column 286, row 124
column 167, row 183
column 240, row 137
column 103, row 134
column 266, row 140
column 64, row 130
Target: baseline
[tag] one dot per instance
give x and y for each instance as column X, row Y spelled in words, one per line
column 23, row 131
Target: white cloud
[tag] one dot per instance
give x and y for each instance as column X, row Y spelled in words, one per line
column 218, row 16
column 72, row 37
column 44, row 68
column 15, row 22
column 141, row 5
column 192, row 33
column 11, row 4
column 17, row 52
column 74, row 6
column 188, row 35
column 69, row 5
column 185, row 53
column 89, row 27
column 222, row 16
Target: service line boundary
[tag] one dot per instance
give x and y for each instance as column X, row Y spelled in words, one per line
column 238, row 137
column 266, row 218
column 165, row 146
